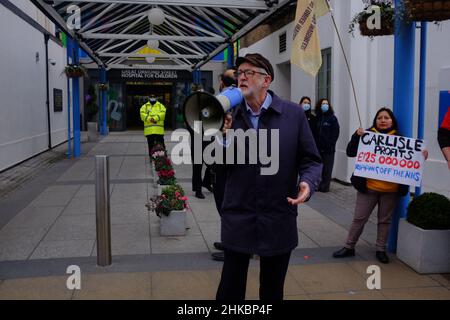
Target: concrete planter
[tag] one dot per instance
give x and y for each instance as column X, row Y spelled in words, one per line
column 426, row 251
column 174, row 224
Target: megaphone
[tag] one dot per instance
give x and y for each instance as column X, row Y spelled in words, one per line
column 210, row 109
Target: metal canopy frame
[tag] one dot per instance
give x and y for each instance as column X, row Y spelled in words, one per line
column 195, row 31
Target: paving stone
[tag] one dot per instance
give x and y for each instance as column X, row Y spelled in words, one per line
column 328, row 278
column 324, row 232
column 305, row 242
column 45, row 288
column 115, row 286
column 129, row 214
column 63, row 249
column 178, row 244
column 351, row 295
column 185, row 285
column 130, row 239
column 395, row 275
column 73, row 227
column 55, row 196
column 19, row 243
column 35, row 217
column 434, row 293
column 81, row 206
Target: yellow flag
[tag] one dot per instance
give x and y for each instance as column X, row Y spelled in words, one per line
column 306, row 46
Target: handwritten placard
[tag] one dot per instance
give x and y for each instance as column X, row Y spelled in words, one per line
column 390, row 158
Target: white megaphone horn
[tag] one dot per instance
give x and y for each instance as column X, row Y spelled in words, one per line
column 210, row 109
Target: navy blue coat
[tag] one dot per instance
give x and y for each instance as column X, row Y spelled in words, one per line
column 256, row 216
column 327, row 133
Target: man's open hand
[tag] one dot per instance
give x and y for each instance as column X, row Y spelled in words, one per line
column 303, row 194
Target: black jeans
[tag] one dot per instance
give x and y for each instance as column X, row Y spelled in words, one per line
column 328, row 163
column 153, row 139
column 234, row 276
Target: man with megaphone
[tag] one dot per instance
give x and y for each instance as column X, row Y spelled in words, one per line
column 259, row 212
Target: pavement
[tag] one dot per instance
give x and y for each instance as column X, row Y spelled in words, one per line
column 47, row 223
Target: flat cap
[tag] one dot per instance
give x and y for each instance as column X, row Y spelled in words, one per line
column 258, row 61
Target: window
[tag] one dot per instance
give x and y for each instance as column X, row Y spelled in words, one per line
column 323, row 82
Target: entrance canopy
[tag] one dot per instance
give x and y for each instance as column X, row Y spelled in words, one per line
column 151, row 34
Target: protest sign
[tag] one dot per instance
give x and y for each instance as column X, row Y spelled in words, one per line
column 390, row 158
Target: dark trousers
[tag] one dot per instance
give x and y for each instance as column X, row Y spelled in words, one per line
column 153, row 139
column 218, row 179
column 328, row 162
column 197, row 180
column 234, row 277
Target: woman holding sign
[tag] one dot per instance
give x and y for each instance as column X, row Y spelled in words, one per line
column 372, row 192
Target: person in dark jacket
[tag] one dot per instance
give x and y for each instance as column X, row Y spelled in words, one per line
column 197, row 182
column 305, row 103
column 218, row 171
column 372, row 192
column 327, row 134
column 259, row 212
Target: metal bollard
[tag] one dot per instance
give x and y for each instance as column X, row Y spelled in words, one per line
column 102, row 210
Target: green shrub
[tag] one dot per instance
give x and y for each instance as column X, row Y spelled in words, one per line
column 430, row 211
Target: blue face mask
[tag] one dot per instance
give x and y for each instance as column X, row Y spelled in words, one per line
column 152, row 101
column 325, row 108
column 306, row 106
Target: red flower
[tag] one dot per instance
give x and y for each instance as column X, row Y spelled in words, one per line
column 166, row 173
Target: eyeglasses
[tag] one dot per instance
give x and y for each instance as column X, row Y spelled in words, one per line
column 248, row 73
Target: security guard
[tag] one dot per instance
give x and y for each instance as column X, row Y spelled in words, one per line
column 153, row 114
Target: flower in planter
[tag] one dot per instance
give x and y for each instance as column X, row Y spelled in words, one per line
column 158, row 147
column 387, row 19
column 171, row 199
column 427, row 10
column 166, row 177
column 158, row 154
column 75, row 71
column 163, row 164
column 157, row 151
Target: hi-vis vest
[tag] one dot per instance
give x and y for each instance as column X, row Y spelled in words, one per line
column 155, row 112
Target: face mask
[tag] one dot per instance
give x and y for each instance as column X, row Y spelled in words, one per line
column 152, row 101
column 325, row 108
column 306, row 106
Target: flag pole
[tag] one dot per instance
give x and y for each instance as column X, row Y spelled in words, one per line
column 346, row 61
